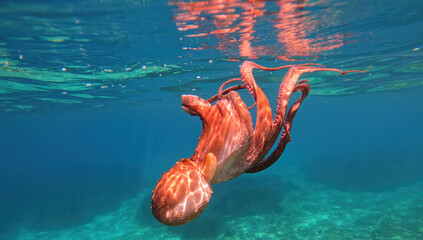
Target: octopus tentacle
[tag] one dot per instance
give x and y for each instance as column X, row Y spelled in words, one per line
column 219, row 94
column 288, row 86
column 304, row 87
column 264, row 135
column 289, row 82
column 247, row 74
column 226, row 91
column 252, row 106
column 262, row 164
column 356, row 71
column 264, row 118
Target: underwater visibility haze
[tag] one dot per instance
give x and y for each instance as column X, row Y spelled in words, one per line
column 91, row 117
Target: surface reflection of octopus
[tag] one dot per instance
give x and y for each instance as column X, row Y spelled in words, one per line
column 228, row 146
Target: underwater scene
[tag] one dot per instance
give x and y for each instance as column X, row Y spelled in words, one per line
column 173, row 119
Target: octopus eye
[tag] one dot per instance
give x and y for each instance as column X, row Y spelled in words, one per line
column 181, row 194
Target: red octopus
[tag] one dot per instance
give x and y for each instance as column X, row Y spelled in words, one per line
column 228, row 145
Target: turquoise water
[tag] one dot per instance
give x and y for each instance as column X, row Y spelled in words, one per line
column 90, row 117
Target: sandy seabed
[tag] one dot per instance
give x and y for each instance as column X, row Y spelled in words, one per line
column 309, row 211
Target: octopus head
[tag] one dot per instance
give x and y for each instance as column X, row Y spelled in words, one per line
column 183, row 192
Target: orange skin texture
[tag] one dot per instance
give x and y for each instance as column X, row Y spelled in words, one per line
column 228, row 145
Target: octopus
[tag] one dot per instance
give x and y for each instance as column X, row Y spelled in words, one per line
column 228, row 145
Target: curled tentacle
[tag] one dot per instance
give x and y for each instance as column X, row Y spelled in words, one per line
column 291, row 79
column 262, row 164
column 265, row 132
column 220, row 94
column 288, row 86
column 226, row 91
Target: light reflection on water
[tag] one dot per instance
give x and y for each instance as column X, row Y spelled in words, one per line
column 234, row 24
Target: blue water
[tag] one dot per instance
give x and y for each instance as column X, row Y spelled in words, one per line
column 90, row 117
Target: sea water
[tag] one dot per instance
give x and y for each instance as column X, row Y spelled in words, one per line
column 90, row 117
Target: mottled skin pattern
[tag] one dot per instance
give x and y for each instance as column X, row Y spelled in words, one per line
column 228, row 146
